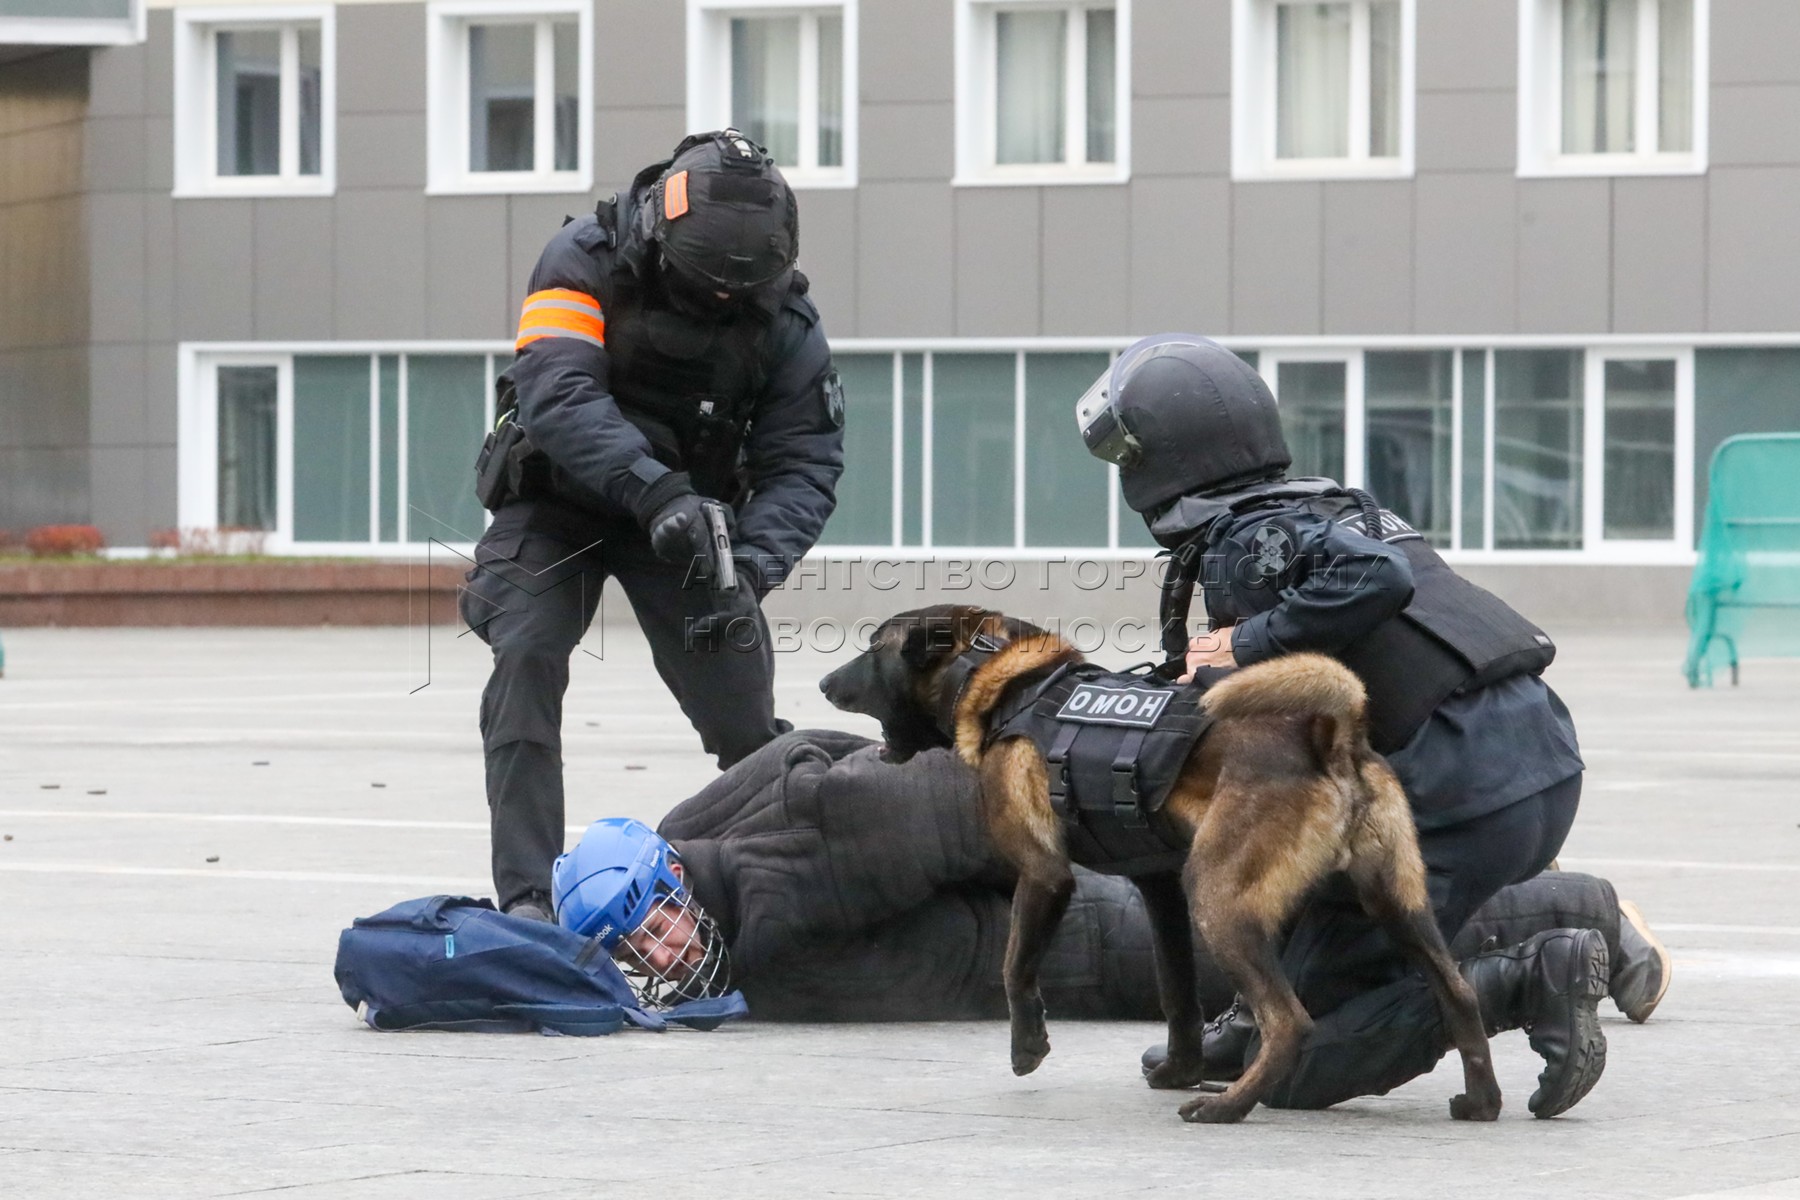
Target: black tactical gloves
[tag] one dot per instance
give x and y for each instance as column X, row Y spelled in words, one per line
column 670, row 513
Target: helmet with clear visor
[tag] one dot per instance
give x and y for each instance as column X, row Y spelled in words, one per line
column 622, row 884
column 1178, row 414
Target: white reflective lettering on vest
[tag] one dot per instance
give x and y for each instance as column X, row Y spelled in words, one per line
column 1101, row 705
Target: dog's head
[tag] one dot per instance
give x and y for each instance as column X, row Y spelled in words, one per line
column 898, row 679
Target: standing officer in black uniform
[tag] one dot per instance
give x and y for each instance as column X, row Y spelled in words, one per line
column 1485, row 750
column 668, row 361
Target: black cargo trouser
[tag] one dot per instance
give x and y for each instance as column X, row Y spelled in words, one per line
column 531, row 598
column 1376, row 1022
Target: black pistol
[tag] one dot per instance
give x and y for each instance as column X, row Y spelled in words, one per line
column 718, row 537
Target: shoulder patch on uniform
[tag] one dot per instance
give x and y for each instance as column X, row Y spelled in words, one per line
column 832, row 389
column 1272, row 548
column 1394, row 528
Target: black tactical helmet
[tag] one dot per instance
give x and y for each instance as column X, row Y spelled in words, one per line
column 1180, row 414
column 725, row 218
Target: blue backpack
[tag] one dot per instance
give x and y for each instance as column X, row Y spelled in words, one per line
column 451, row 962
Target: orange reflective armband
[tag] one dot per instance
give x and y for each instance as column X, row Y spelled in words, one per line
column 561, row 312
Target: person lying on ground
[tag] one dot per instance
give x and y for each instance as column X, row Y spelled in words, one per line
column 831, row 885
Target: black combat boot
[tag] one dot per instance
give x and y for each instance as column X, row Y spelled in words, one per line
column 1550, row 986
column 1641, row 971
column 532, row 907
column 1222, row 1047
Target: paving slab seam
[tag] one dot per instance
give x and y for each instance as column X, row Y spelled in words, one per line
column 288, row 1187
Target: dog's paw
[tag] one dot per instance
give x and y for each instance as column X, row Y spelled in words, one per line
column 1029, row 1052
column 1171, row 1075
column 1211, row 1110
column 1472, row 1108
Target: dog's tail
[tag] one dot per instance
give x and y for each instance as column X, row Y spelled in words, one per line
column 1295, row 685
column 1312, row 686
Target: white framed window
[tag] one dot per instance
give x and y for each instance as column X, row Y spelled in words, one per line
column 785, row 75
column 1639, row 416
column 234, row 462
column 1513, row 453
column 1508, row 449
column 1322, row 90
column 1318, row 394
column 1613, row 87
column 50, row 23
column 335, row 448
column 510, row 96
column 1043, row 92
column 255, row 101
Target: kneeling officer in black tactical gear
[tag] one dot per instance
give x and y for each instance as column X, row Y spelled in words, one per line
column 673, row 421
column 1485, row 750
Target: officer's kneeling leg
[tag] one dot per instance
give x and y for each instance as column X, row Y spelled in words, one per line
column 1366, row 1047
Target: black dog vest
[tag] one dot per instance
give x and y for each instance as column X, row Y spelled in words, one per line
column 1114, row 744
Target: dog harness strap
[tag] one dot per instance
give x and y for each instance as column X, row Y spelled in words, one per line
column 1126, row 809
column 957, row 676
column 1056, row 763
column 1021, row 696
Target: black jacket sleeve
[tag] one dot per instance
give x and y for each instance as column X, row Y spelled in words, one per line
column 1298, row 581
column 566, row 406
column 794, row 450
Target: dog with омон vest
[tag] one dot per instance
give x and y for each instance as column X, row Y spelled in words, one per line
column 1281, row 791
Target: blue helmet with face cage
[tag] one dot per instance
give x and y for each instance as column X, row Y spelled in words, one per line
column 608, row 886
column 619, row 871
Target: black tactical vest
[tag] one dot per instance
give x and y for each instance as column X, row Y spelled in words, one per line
column 1114, row 744
column 690, row 383
column 1453, row 636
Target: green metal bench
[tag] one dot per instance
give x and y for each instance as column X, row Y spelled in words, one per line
column 1745, row 597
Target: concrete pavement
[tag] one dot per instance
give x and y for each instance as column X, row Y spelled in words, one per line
column 169, row 1025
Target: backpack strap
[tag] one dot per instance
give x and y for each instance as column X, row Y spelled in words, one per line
column 709, row 1013
column 572, row 1020
column 486, row 1016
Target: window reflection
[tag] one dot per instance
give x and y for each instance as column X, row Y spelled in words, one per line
column 1409, row 424
column 1537, row 449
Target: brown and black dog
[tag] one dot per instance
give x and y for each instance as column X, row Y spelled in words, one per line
column 1280, row 792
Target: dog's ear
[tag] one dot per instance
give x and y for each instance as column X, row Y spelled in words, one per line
column 928, row 641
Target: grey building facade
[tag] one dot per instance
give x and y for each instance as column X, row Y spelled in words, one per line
column 1518, row 265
